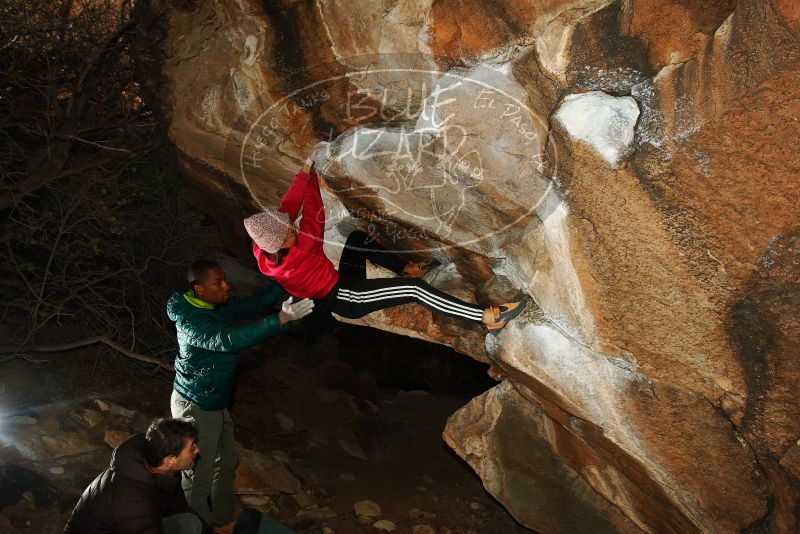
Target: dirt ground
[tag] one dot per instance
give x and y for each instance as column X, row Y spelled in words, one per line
column 352, row 414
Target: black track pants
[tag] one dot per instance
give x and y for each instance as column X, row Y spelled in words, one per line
column 355, row 296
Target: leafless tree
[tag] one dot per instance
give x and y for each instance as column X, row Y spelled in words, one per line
column 95, row 228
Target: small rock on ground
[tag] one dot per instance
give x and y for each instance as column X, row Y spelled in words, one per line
column 281, row 456
column 255, row 500
column 367, row 508
column 87, row 417
column 385, row 525
column 105, row 406
column 21, row 420
column 303, row 499
column 285, row 422
column 114, row 438
column 316, row 514
column 327, row 396
column 416, row 513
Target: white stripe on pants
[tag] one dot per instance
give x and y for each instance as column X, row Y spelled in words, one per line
column 356, row 298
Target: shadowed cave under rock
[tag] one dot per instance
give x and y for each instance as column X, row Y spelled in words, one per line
column 323, row 422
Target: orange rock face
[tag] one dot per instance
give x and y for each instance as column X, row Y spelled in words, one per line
column 471, row 30
column 633, row 167
column 675, row 32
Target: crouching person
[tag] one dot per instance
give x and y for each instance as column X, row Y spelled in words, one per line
column 210, row 336
column 141, row 490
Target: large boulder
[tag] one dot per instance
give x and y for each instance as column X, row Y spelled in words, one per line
column 632, row 167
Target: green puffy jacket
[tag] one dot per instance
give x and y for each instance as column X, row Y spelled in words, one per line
column 209, row 340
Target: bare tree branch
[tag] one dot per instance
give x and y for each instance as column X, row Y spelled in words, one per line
column 92, row 143
column 85, row 342
column 97, row 231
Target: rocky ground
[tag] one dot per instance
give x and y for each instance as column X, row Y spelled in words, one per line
column 340, row 433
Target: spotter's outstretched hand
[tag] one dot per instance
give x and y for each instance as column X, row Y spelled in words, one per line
column 292, row 311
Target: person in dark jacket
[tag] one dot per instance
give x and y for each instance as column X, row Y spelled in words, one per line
column 210, row 338
column 141, row 490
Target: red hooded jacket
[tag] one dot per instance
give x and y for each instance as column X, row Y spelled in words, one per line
column 305, row 271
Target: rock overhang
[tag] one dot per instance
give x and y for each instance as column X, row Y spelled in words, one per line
column 630, row 267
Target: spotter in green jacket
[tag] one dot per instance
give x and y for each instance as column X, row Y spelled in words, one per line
column 210, row 337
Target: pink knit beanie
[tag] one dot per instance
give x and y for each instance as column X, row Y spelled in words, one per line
column 268, row 229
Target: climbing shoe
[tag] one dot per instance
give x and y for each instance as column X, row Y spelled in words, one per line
column 507, row 312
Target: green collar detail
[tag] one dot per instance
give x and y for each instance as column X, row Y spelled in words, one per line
column 197, row 302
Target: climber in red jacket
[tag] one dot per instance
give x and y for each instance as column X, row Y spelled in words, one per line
column 294, row 258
